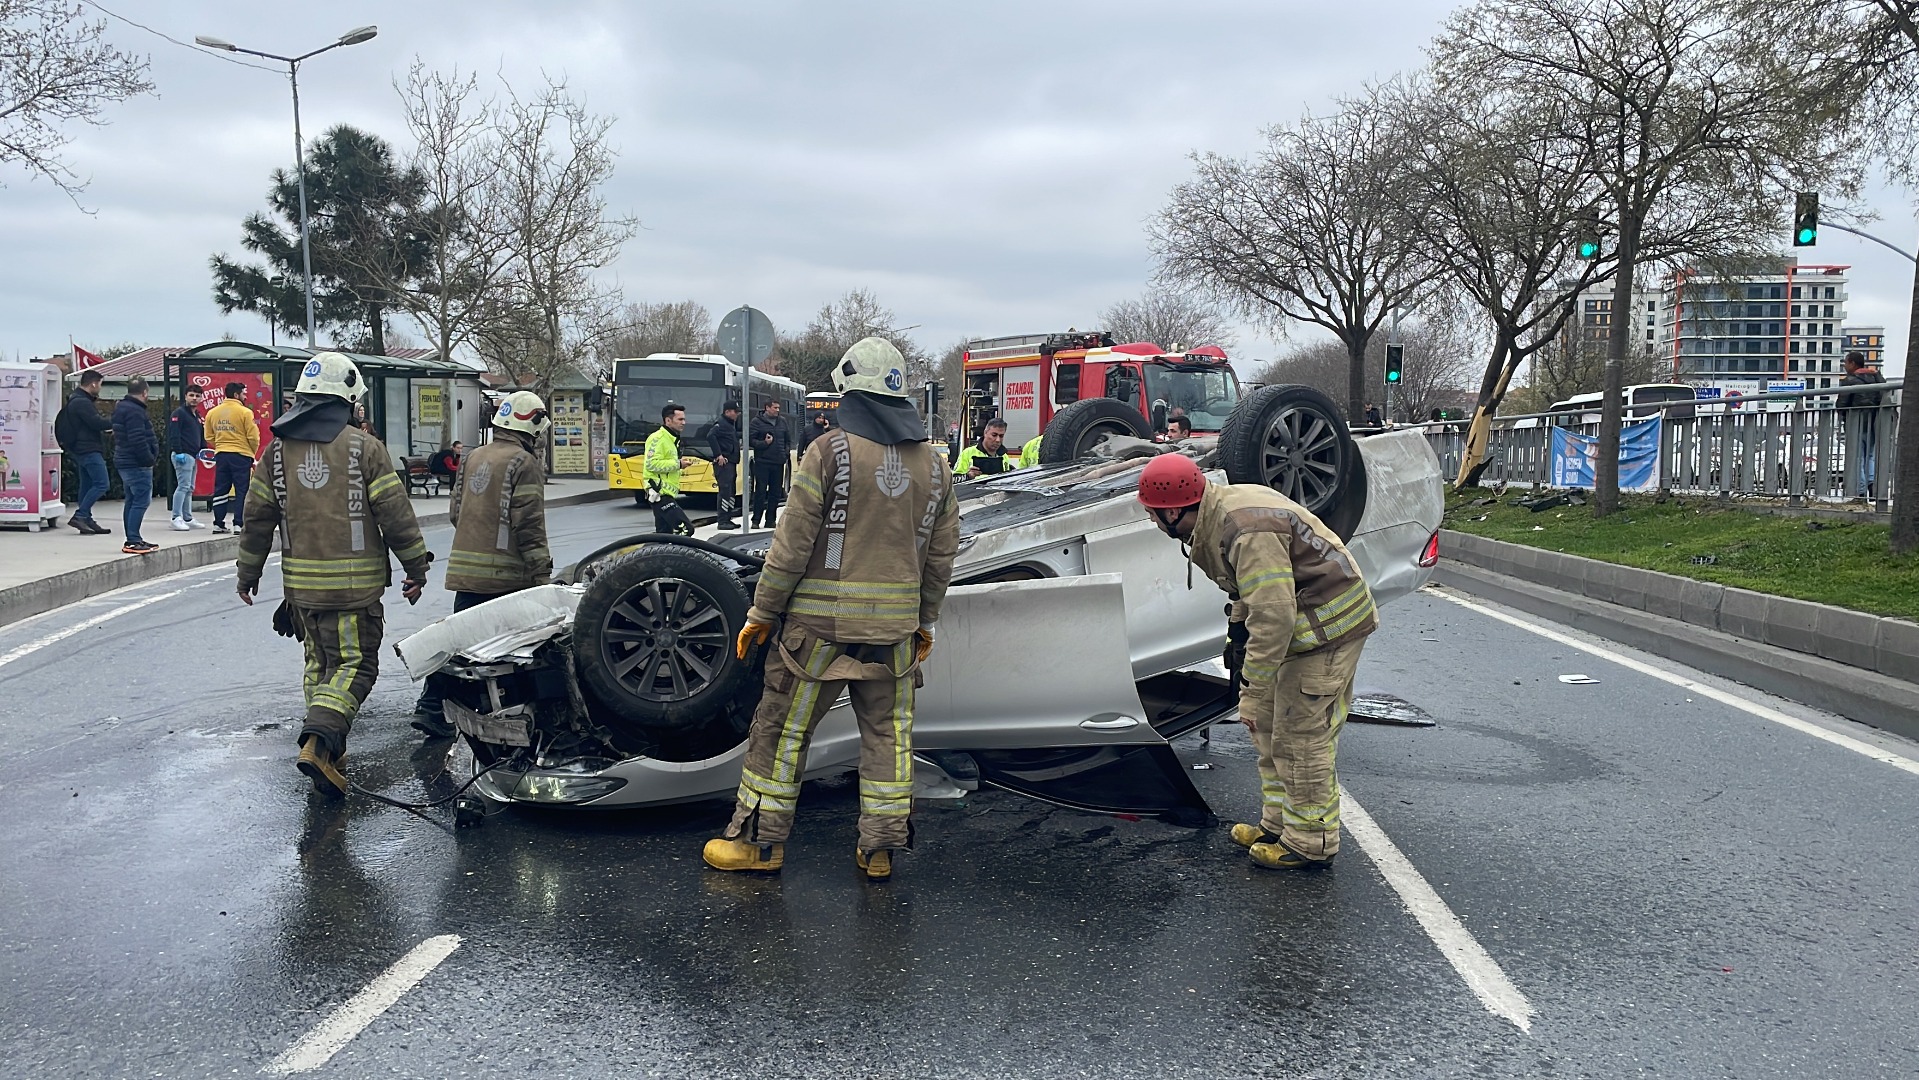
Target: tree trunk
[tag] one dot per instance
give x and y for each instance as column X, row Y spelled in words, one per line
column 1492, row 390
column 376, row 328
column 1356, row 376
column 1612, row 412
column 1905, row 475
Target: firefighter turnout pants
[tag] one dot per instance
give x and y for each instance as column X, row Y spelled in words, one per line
column 342, row 660
column 790, row 709
column 1298, row 740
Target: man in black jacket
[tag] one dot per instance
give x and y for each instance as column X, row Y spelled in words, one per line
column 136, row 449
column 185, row 440
column 1861, row 413
column 80, row 429
column 724, row 438
column 771, row 446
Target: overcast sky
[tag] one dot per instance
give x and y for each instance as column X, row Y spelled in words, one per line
column 984, row 168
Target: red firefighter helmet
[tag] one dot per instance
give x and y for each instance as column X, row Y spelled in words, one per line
column 1171, row 481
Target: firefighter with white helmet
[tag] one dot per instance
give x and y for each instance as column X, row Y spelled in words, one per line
column 498, row 512
column 1299, row 616
column 331, row 491
column 852, row 587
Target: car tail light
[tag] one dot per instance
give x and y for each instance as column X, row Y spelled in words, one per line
column 1430, row 557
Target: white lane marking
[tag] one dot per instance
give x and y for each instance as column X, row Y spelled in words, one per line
column 36, row 645
column 1804, row 727
column 1482, row 974
column 325, row 1040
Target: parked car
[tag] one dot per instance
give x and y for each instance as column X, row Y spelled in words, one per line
column 1065, row 649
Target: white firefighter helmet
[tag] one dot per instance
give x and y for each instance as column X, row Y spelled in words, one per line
column 874, row 365
column 522, row 410
column 331, row 374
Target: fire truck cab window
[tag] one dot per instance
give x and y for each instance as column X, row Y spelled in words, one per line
column 1205, row 395
column 1065, row 384
column 1122, row 385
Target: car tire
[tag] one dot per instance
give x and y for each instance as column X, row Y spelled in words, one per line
column 1079, row 427
column 1292, row 439
column 653, row 643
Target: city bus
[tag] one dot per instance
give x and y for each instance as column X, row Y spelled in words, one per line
column 1638, row 402
column 819, row 403
column 702, row 384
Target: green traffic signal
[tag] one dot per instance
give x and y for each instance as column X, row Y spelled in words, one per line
column 1805, row 219
column 1589, row 249
column 1395, row 357
column 1807, row 236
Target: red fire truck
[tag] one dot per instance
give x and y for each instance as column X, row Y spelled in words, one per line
column 1094, row 387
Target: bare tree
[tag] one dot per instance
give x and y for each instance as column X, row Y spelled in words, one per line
column 1695, row 116
column 56, row 70
column 1169, row 318
column 1437, row 368
column 645, row 329
column 463, row 226
column 809, row 357
column 1575, row 363
column 1306, row 232
column 554, row 310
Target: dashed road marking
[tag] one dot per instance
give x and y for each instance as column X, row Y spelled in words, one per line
column 1482, row 974
column 1804, row 727
column 352, row 1017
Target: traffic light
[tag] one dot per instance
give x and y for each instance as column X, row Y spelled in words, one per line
column 1589, row 237
column 1395, row 358
column 1805, row 219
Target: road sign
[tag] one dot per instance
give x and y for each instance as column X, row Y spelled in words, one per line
column 1733, row 399
column 1707, row 393
column 746, row 336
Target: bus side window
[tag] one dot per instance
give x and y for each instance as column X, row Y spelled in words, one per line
column 1065, row 384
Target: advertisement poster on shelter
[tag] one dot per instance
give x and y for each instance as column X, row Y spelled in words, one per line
column 570, row 454
column 22, row 487
column 259, row 397
column 1576, row 457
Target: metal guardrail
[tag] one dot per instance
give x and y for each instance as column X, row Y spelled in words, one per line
column 1812, row 451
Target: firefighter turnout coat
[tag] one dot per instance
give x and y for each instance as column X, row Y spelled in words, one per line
column 498, row 510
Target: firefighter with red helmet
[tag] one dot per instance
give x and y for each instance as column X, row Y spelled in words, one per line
column 1303, row 612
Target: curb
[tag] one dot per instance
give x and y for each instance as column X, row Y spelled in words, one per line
column 1875, row 643
column 38, row 597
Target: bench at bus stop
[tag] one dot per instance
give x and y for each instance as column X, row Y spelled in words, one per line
column 422, row 480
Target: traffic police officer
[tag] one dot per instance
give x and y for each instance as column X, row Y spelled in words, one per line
column 331, row 491
column 498, row 512
column 662, row 467
column 1303, row 611
column 858, row 569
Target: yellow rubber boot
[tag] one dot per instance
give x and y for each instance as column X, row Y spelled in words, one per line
column 1248, row 835
column 877, row 864
column 724, row 854
column 328, row 772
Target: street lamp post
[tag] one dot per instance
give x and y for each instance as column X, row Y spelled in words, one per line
column 351, row 37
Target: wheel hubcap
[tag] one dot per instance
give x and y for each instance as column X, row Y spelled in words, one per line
column 665, row 639
column 1301, row 458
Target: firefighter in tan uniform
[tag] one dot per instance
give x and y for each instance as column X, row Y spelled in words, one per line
column 331, row 491
column 1303, row 611
column 498, row 511
column 858, row 569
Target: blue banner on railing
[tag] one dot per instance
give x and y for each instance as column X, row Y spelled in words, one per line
column 1575, row 457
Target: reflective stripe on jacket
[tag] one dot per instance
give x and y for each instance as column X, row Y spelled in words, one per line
column 662, row 462
column 975, row 458
column 340, row 509
column 231, row 429
column 1293, row 582
column 1029, row 454
column 498, row 511
column 864, row 549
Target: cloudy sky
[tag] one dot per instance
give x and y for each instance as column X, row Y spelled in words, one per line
column 984, row 168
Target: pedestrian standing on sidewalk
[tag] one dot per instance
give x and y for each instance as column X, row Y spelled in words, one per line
column 185, row 439
column 498, row 513
column 1300, row 614
column 1861, row 412
column 235, row 437
column 136, row 450
column 725, row 440
column 79, row 429
column 330, row 490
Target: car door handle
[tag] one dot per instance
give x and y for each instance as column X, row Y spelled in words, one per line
column 1109, row 722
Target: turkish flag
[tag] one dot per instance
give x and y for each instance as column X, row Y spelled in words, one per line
column 82, row 359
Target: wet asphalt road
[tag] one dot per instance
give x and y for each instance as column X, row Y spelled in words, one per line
column 1677, row 887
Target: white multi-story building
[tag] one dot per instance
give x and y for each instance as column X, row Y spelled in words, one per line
column 1783, row 322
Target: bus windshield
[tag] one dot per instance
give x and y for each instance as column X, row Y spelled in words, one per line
column 1205, row 394
column 641, row 388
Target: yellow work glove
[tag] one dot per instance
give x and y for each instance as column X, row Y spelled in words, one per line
column 753, row 633
column 925, row 648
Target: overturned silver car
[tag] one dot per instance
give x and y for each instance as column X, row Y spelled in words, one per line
column 1065, row 649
